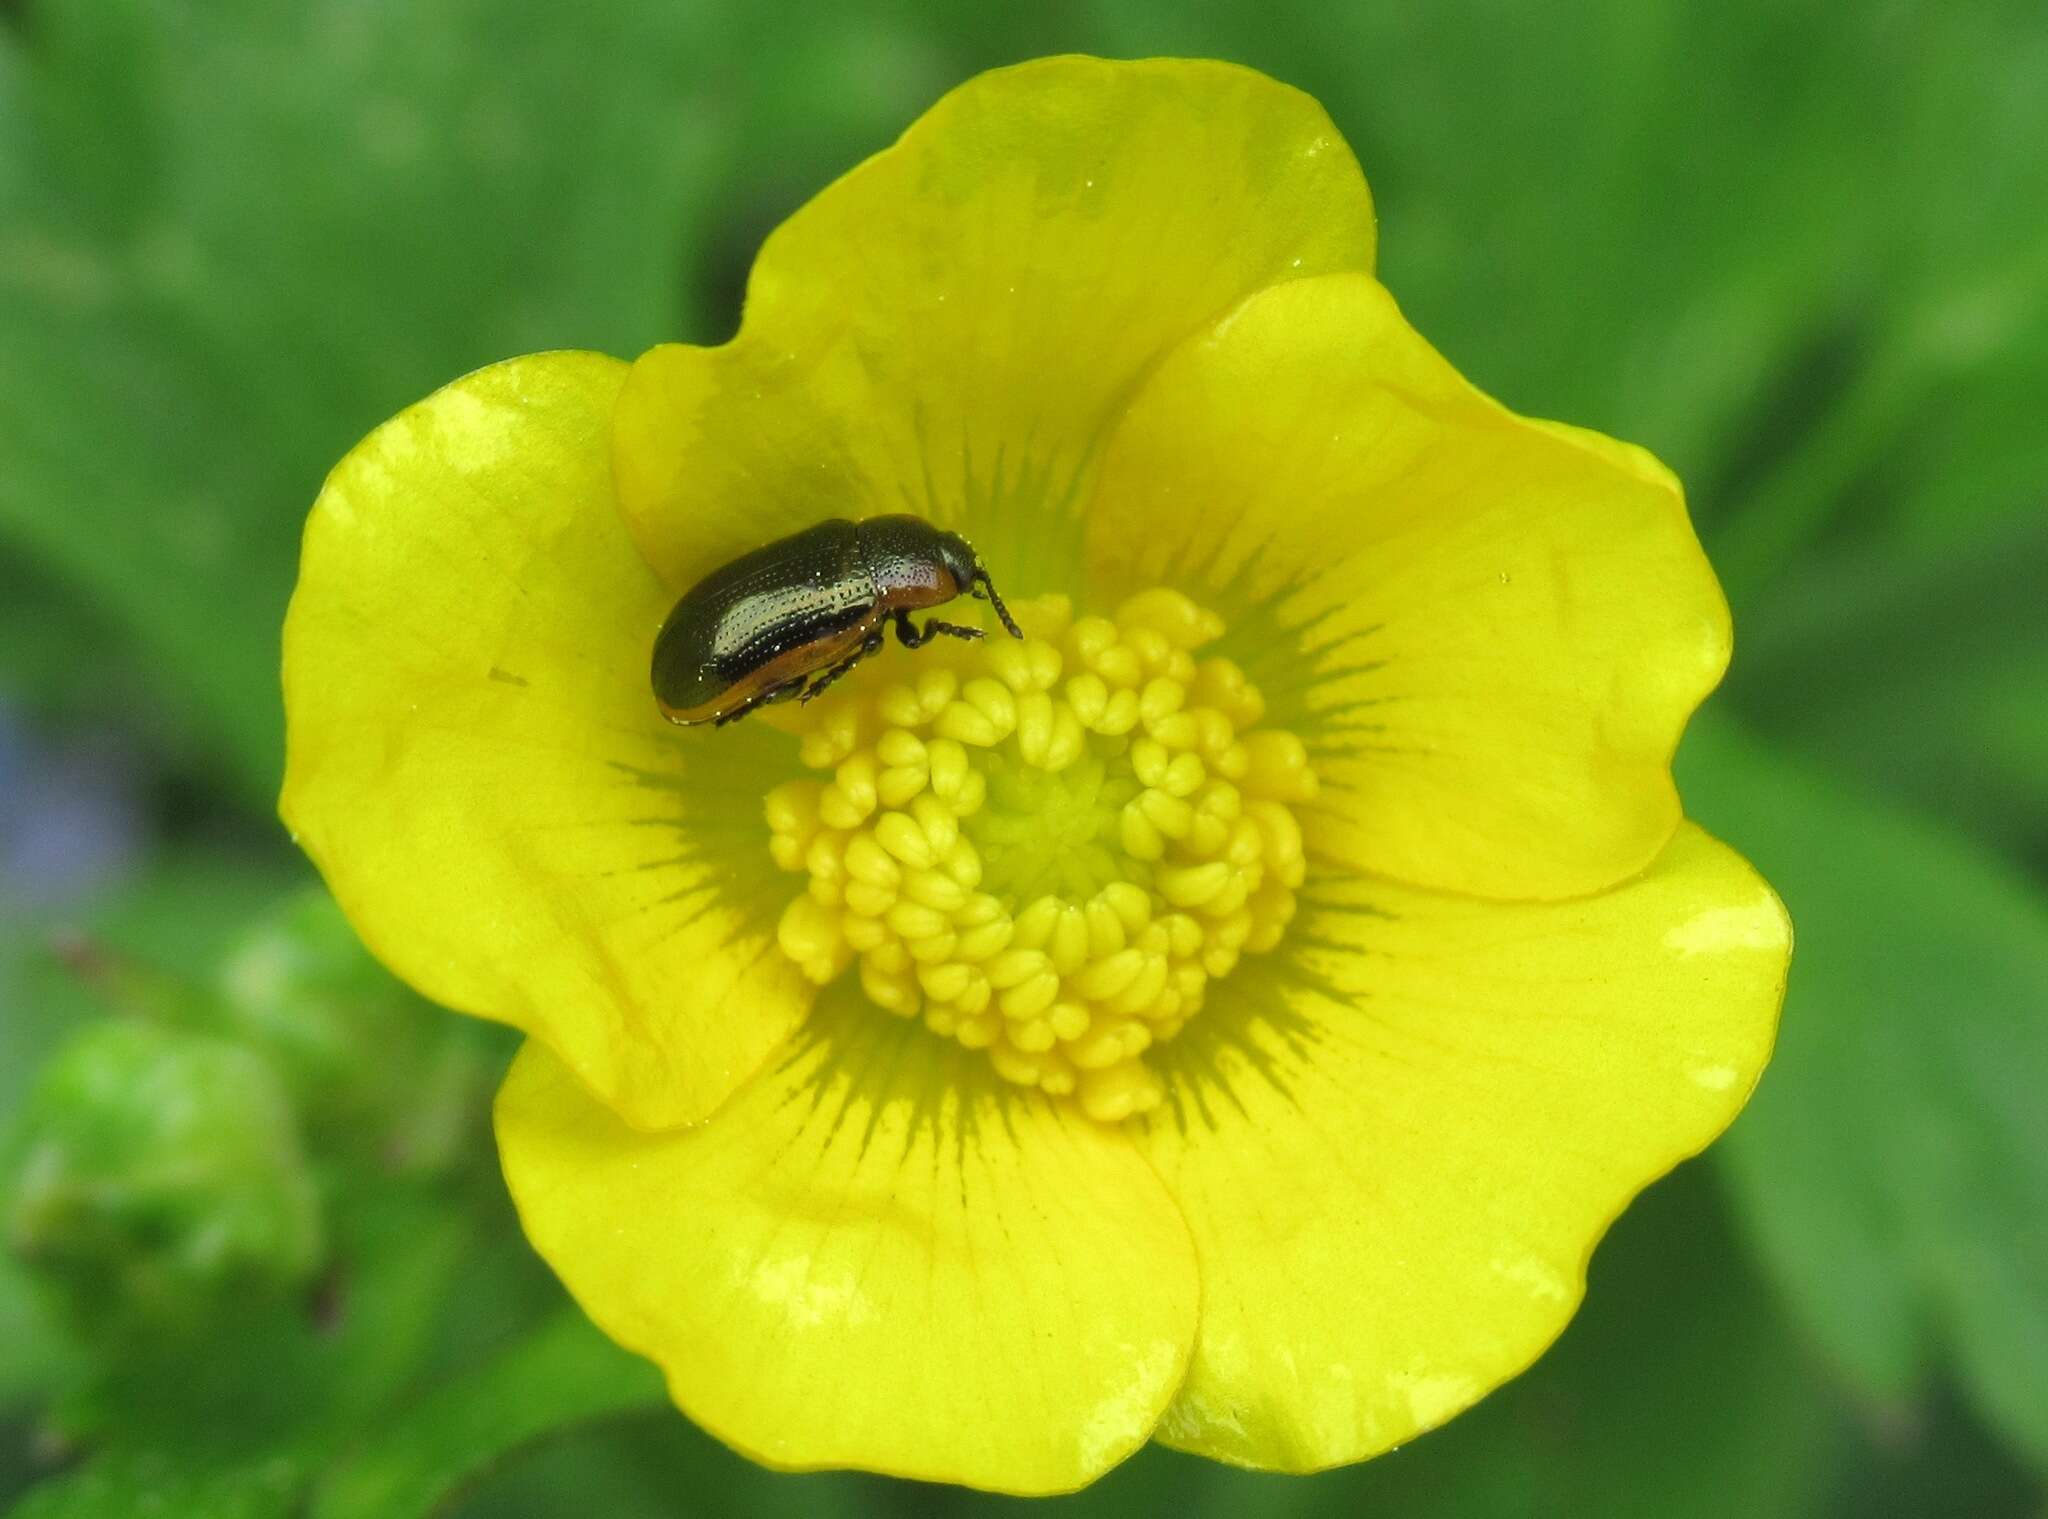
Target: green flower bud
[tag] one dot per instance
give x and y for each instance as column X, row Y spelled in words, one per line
column 157, row 1176
column 368, row 1061
column 302, row 989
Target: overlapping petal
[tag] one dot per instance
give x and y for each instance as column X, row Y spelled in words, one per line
column 1397, row 1150
column 951, row 327
column 1490, row 631
column 476, row 765
column 877, row 1255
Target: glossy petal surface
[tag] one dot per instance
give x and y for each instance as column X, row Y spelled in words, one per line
column 1397, row 1152
column 951, row 327
column 876, row 1256
column 477, row 767
column 1489, row 630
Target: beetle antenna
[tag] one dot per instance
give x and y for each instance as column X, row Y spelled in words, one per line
column 981, row 578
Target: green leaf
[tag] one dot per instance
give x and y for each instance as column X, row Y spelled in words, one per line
column 1893, row 1166
column 1924, row 670
column 561, row 1374
column 177, row 1485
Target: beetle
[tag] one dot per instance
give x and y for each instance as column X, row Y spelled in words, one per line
column 789, row 618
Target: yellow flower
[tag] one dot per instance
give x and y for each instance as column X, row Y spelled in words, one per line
column 1229, row 1016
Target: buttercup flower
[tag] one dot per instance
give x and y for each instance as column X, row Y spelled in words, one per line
column 1227, row 1016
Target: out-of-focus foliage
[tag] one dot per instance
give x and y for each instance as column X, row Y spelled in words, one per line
column 1801, row 251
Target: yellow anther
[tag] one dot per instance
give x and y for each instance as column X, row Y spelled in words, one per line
column 1119, row 664
column 1149, row 647
column 1183, row 934
column 1221, row 684
column 1160, row 699
column 948, row 762
column 1032, row 665
column 899, row 833
column 899, row 784
column 1030, row 998
column 867, row 860
column 1033, row 1035
column 1214, row 733
column 1140, row 837
column 847, row 802
column 864, row 935
column 1169, row 814
column 810, row 935
column 942, row 983
column 994, row 701
column 1015, row 966
column 899, row 746
column 1069, row 1020
column 913, row 920
column 1069, row 943
column 1045, row 848
column 1035, row 728
column 978, row 1032
column 1129, row 902
column 1278, row 766
column 940, row 823
column 1144, row 989
column 976, row 996
column 1169, row 613
column 891, row 990
column 792, row 807
column 1087, row 695
column 1090, row 636
column 935, row 889
column 1015, row 1064
column 1247, row 845
column 963, row 864
column 1119, row 1092
column 1119, row 715
column 973, row 792
column 834, row 736
column 1184, row 775
column 1036, row 922
column 969, row 725
column 982, row 942
column 868, row 898
column 1107, row 1042
column 1105, row 929
column 1110, row 975
column 1176, row 730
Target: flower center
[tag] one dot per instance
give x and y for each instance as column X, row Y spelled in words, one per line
column 1046, row 849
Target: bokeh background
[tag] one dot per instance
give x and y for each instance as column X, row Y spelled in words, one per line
column 257, row 1258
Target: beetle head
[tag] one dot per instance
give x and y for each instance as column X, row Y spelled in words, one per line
column 964, row 565
column 958, row 556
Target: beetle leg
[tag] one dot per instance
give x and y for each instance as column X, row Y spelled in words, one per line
column 773, row 694
column 911, row 636
column 868, row 645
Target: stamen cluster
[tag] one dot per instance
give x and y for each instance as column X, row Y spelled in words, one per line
column 1047, row 849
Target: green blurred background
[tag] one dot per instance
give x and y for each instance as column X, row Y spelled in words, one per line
column 259, row 1262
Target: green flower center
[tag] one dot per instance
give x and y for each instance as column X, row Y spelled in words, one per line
column 1047, row 849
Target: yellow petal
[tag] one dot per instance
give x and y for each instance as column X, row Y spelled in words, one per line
column 475, row 761
column 1490, row 631
column 949, row 328
column 876, row 1256
column 1397, row 1154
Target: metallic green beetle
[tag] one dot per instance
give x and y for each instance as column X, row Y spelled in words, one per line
column 791, row 617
